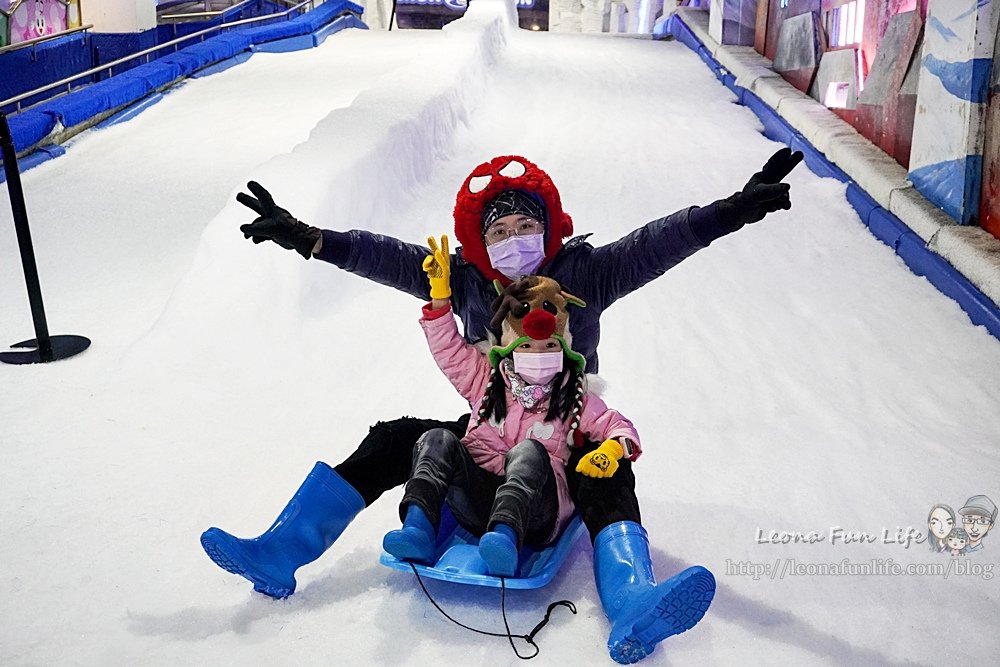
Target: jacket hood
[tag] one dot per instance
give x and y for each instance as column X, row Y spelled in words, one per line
column 506, row 172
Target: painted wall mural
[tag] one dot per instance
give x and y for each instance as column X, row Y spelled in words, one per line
column 878, row 116
column 36, row 18
column 21, row 20
column 946, row 162
column 989, row 210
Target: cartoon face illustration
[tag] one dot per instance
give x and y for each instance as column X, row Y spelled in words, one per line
column 978, row 515
column 601, row 461
column 37, row 18
column 940, row 521
column 976, row 525
column 957, row 539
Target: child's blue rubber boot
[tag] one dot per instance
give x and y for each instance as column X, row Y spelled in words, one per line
column 642, row 612
column 313, row 519
column 415, row 540
column 499, row 549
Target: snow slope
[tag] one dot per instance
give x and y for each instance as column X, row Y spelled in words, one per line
column 794, row 376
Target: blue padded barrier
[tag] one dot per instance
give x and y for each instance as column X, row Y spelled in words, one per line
column 707, row 58
column 36, row 158
column 125, row 88
column 93, row 100
column 154, row 74
column 30, row 127
column 883, row 224
column 925, row 262
column 816, row 161
column 776, row 128
column 222, row 66
column 311, row 39
column 861, row 201
column 33, row 67
column 886, row 227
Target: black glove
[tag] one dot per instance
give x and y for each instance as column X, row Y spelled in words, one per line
column 276, row 224
column 764, row 193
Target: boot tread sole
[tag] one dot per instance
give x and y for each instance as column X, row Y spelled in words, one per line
column 679, row 610
column 230, row 563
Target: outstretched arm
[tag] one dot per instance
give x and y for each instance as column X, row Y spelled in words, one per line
column 464, row 365
column 384, row 259
column 632, row 261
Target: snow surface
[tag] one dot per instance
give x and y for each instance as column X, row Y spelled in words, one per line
column 794, row 376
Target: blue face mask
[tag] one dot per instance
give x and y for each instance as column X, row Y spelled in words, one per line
column 518, row 256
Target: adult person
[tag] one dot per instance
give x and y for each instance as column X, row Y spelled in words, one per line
column 978, row 515
column 510, row 222
column 940, row 521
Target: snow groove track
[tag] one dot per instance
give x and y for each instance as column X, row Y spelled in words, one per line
column 792, row 377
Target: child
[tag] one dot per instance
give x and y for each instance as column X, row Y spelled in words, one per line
column 956, row 541
column 506, row 477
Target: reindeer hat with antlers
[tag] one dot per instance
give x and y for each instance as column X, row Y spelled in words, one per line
column 533, row 307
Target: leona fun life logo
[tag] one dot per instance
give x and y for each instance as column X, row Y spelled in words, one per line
column 955, row 533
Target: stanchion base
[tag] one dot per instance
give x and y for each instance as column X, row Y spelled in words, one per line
column 63, row 347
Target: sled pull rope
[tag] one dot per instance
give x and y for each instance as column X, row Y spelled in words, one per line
column 530, row 637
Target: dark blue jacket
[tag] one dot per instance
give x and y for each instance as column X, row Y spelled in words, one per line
column 599, row 276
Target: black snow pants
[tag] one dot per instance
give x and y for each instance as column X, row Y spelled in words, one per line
column 384, row 459
column 524, row 497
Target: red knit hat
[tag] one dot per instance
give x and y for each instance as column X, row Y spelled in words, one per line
column 506, row 172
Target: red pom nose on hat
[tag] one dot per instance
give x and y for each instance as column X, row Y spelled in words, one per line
column 539, row 324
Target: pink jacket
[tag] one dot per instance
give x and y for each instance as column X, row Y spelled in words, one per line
column 469, row 370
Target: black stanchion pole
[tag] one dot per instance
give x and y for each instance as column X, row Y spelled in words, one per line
column 47, row 348
column 392, row 15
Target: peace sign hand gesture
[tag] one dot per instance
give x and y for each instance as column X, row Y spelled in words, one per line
column 437, row 266
column 276, row 224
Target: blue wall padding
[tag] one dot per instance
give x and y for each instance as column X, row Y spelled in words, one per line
column 109, row 47
column 886, row 227
column 924, row 262
column 707, row 58
column 93, row 100
column 122, row 89
column 775, row 127
column 155, row 74
column 883, row 224
column 680, row 31
column 281, row 30
column 816, row 161
column 33, row 67
column 168, row 32
column 861, row 201
column 30, row 127
column 237, row 41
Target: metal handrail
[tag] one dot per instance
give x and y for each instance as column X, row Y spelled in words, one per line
column 43, row 38
column 67, row 81
column 197, row 15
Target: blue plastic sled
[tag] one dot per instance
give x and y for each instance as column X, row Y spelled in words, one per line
column 456, row 558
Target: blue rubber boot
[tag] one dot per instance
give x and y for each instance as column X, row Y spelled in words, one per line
column 499, row 549
column 313, row 519
column 415, row 540
column 642, row 612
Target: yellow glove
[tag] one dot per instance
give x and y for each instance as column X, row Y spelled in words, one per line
column 437, row 266
column 603, row 461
